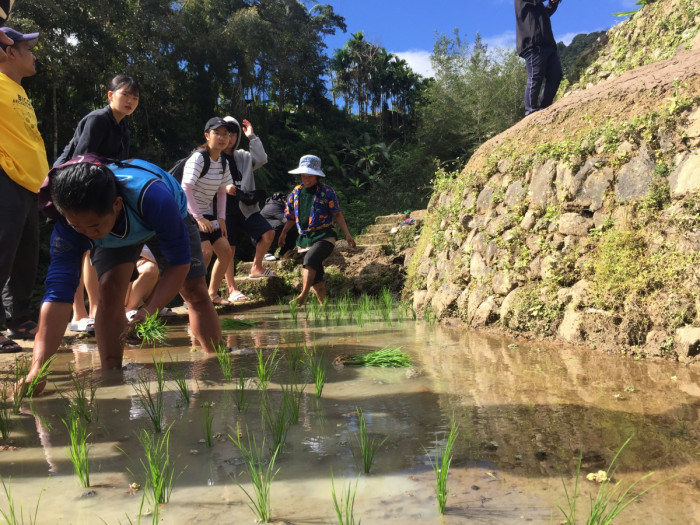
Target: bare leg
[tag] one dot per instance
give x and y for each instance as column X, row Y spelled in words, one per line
column 79, row 311
column 230, row 270
column 207, row 252
column 222, row 249
column 110, row 321
column 141, row 288
column 320, row 290
column 260, row 250
column 306, row 282
column 92, row 285
column 204, row 322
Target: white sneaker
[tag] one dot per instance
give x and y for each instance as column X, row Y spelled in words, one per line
column 269, row 257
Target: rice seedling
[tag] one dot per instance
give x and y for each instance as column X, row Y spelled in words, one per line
column 428, row 315
column 21, row 369
column 261, row 475
column 151, row 402
column 318, row 369
column 610, row 501
column 294, row 358
column 157, row 465
column 15, row 516
column 151, row 331
column 345, row 504
column 5, row 419
column 441, row 466
column 266, row 367
column 386, row 358
column 82, row 400
column 291, row 398
column 180, row 379
column 366, row 305
column 294, row 310
column 207, row 421
column 386, row 305
column 277, row 422
column 228, row 323
column 368, row 445
column 78, row 450
column 241, row 398
column 225, row 361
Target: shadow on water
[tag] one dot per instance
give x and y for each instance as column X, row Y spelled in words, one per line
column 525, row 412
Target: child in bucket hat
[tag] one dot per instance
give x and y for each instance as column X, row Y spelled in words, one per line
column 313, row 208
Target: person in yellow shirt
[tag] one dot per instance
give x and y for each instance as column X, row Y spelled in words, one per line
column 23, row 167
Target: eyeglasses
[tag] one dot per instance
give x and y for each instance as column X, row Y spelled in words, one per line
column 225, row 134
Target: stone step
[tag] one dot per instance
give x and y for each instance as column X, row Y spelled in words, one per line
column 381, row 228
column 372, row 238
column 393, row 219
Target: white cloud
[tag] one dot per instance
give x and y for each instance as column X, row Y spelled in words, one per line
column 505, row 40
column 566, row 38
column 418, row 60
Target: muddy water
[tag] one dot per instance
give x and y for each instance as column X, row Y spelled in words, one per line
column 525, row 414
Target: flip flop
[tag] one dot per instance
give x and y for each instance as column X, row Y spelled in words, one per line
column 218, row 300
column 166, row 312
column 86, row 325
column 266, row 273
column 238, row 297
column 8, row 346
column 23, row 331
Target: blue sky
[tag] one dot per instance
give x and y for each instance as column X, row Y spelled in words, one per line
column 407, row 28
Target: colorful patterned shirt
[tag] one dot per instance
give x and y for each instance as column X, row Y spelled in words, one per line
column 325, row 204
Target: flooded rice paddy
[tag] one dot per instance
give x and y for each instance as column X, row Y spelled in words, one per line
column 525, row 413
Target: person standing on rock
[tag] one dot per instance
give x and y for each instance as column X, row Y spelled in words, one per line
column 313, row 208
column 535, row 43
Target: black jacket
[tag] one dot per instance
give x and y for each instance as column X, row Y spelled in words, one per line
column 532, row 25
column 98, row 132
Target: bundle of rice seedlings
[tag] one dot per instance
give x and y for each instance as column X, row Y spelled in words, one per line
column 386, row 357
column 236, row 324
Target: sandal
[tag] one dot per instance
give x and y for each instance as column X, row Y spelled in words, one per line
column 23, row 331
column 219, row 301
column 86, row 325
column 166, row 312
column 266, row 273
column 238, row 297
column 8, row 346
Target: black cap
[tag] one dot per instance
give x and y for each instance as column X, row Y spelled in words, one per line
column 215, row 122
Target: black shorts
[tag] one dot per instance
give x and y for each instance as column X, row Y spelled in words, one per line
column 104, row 259
column 212, row 237
column 319, row 252
column 256, row 225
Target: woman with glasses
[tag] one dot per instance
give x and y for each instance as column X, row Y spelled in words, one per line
column 202, row 185
column 105, row 133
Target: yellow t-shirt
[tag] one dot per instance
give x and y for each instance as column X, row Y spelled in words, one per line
column 22, row 151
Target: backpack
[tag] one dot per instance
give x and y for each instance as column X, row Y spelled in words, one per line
column 179, row 167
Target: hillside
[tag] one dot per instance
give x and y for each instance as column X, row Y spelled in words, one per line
column 582, row 221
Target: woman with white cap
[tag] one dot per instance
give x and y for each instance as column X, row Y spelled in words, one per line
column 313, row 207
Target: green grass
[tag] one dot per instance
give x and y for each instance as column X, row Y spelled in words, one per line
column 441, row 466
column 228, row 323
column 345, row 504
column 610, row 500
column 368, row 445
column 78, row 450
column 15, row 516
column 261, row 474
column 386, row 358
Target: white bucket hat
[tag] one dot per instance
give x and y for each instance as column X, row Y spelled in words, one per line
column 309, row 165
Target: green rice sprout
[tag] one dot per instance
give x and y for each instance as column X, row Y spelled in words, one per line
column 151, row 402
column 441, row 466
column 21, row 369
column 228, row 323
column 241, row 392
column 292, row 395
column 5, row 419
column 180, row 379
column 261, row 475
column 78, row 450
column 82, row 400
column 368, row 445
column 294, row 310
column 294, row 358
column 225, row 361
column 385, row 358
column 610, row 501
column 345, row 504
column 266, row 367
column 278, row 423
column 318, row 369
column 151, row 331
column 15, row 516
column 157, row 465
column 208, row 419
